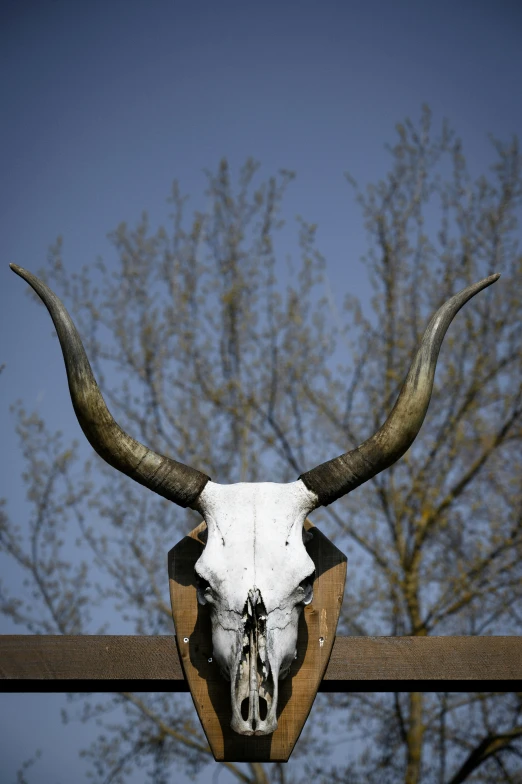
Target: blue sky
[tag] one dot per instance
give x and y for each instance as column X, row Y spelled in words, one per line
column 105, row 103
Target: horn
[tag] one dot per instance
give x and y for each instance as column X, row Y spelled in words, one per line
column 333, row 479
column 168, row 478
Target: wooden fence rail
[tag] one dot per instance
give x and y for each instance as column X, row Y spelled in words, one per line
column 354, row 659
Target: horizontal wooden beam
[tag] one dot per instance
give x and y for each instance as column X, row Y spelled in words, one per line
column 354, row 659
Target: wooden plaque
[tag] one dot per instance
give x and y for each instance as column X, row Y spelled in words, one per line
column 211, row 693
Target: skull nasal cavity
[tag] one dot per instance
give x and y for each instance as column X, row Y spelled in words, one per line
column 254, row 605
column 263, row 709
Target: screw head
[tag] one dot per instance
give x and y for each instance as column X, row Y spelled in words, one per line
column 209, row 659
column 185, row 639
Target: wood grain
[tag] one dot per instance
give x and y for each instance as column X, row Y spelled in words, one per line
column 50, row 657
column 211, row 693
column 425, row 658
column 354, row 660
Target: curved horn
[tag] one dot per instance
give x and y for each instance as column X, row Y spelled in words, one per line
column 172, row 480
column 339, row 476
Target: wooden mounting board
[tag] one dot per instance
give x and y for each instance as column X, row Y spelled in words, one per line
column 211, row 693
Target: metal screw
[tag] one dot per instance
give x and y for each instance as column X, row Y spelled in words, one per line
column 321, row 641
column 185, row 639
column 210, row 660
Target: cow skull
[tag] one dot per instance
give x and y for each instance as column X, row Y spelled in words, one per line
column 254, row 572
column 255, row 575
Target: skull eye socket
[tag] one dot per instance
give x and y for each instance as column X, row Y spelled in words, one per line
column 306, row 587
column 204, row 592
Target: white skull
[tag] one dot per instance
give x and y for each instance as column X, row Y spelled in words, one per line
column 255, row 575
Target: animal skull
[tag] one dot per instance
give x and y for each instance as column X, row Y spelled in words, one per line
column 254, row 572
column 256, row 576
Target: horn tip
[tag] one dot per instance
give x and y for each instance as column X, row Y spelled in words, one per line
column 482, row 284
column 19, row 270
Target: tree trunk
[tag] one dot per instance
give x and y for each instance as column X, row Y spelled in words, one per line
column 414, row 739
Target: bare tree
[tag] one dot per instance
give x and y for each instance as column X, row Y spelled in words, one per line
column 440, row 532
column 209, row 350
